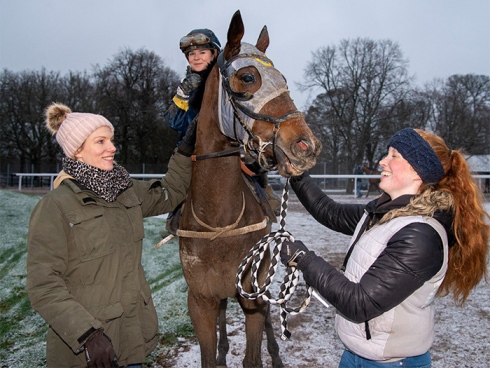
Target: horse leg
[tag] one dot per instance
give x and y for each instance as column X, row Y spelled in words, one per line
column 255, row 313
column 272, row 346
column 204, row 314
column 223, row 345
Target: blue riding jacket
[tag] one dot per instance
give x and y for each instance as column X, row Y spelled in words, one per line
column 180, row 114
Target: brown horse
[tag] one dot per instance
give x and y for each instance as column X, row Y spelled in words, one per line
column 373, row 182
column 221, row 219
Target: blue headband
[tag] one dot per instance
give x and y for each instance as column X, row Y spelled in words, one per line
column 419, row 154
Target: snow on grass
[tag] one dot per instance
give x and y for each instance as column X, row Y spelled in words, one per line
column 461, row 333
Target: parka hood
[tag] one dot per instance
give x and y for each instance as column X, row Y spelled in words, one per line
column 431, row 203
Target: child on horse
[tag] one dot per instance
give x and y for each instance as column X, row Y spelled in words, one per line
column 201, row 48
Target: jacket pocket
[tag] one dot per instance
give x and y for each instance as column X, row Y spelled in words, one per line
column 107, row 313
column 91, row 233
column 110, row 317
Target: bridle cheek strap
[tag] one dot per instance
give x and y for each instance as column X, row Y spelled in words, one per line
column 238, row 111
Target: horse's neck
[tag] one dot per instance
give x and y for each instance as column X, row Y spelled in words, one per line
column 209, row 137
column 218, row 174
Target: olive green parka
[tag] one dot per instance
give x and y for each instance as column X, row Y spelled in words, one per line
column 84, row 267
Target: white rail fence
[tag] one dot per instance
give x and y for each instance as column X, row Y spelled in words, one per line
column 483, row 180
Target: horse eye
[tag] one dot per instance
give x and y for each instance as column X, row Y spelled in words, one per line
column 248, row 78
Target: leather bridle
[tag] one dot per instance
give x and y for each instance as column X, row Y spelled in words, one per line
column 244, row 108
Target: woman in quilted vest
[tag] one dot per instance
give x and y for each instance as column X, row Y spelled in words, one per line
column 425, row 236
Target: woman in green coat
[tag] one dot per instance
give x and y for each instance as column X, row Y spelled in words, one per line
column 84, row 272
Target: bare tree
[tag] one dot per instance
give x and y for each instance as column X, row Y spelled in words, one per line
column 78, row 91
column 133, row 90
column 364, row 82
column 413, row 110
column 326, row 126
column 24, row 96
column 461, row 111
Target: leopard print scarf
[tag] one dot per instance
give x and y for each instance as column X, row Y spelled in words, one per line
column 106, row 184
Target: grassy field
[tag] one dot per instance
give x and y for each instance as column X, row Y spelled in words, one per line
column 22, row 331
column 461, row 333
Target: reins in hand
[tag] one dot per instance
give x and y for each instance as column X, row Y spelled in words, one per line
column 290, row 281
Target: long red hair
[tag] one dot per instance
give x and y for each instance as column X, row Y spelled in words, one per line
column 468, row 256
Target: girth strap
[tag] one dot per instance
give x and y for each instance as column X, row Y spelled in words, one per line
column 229, row 230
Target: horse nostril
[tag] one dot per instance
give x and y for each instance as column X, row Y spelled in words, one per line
column 302, row 145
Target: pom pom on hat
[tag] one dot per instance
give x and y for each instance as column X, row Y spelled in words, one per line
column 72, row 128
column 55, row 115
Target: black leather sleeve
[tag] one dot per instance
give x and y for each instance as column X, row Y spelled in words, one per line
column 413, row 255
column 339, row 217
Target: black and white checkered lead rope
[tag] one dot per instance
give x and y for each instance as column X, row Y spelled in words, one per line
column 288, row 286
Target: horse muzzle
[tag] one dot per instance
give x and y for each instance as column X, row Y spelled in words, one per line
column 297, row 157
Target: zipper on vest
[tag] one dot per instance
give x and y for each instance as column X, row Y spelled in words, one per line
column 361, row 231
column 368, row 332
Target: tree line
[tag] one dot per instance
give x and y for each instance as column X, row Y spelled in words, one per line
column 364, row 93
column 132, row 91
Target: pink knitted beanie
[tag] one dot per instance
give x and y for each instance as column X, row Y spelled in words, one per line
column 72, row 128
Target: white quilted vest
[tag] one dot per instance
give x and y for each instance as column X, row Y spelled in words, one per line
column 407, row 329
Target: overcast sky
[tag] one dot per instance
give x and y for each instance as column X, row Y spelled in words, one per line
column 438, row 37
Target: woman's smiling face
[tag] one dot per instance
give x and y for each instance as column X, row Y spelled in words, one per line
column 398, row 177
column 98, row 149
column 200, row 59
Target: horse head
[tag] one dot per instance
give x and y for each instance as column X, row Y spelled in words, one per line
column 256, row 109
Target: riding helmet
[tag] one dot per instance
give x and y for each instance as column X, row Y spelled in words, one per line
column 202, row 38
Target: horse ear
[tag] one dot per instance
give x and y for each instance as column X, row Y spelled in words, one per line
column 263, row 40
column 234, row 36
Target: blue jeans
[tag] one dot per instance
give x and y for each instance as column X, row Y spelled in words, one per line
column 358, row 189
column 351, row 360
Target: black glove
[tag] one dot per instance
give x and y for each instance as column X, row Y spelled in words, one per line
column 291, row 252
column 187, row 85
column 186, row 146
column 99, row 351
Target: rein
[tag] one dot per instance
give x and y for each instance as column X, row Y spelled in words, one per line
column 290, row 280
column 229, row 152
